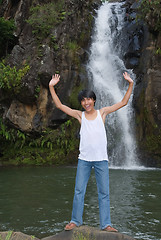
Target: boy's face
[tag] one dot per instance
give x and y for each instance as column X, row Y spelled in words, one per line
column 88, row 104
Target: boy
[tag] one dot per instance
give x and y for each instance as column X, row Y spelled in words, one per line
column 93, row 151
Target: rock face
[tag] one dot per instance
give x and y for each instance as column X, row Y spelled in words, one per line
column 62, row 49
column 139, row 51
column 83, row 232
column 148, row 102
column 141, row 55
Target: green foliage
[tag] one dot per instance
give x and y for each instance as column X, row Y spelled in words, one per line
column 6, row 29
column 52, row 147
column 10, row 77
column 150, row 11
column 16, row 137
column 153, row 142
column 73, row 46
column 61, row 140
column 37, row 91
column 8, row 237
column 53, row 42
column 9, row 234
column 44, row 17
column 73, row 99
column 82, row 236
column 158, row 51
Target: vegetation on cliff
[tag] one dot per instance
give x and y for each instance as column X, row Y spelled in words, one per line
column 6, row 37
column 10, row 77
column 43, row 17
column 150, row 11
column 149, row 132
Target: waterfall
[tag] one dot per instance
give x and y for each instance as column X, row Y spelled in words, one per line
column 105, row 69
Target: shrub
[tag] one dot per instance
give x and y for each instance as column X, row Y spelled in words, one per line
column 44, row 17
column 10, row 77
column 6, row 29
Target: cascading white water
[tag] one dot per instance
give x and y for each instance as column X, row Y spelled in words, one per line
column 105, row 70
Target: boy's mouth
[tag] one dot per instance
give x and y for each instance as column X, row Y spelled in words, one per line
column 87, row 106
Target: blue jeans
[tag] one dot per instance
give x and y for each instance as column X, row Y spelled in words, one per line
column 102, row 179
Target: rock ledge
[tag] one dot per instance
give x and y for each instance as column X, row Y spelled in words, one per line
column 83, row 232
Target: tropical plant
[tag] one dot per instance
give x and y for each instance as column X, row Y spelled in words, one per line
column 10, row 77
column 12, row 136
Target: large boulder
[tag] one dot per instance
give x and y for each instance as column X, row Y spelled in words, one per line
column 90, row 233
column 16, row 236
column 83, row 232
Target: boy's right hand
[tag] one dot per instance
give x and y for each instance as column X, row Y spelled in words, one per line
column 55, row 79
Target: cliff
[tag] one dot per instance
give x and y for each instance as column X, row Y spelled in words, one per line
column 147, row 100
column 49, row 37
column 54, row 36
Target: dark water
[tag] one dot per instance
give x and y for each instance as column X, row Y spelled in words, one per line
column 38, row 201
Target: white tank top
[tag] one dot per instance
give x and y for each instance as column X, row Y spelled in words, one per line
column 93, row 140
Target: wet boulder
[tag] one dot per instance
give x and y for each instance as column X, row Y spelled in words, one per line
column 16, row 236
column 90, row 233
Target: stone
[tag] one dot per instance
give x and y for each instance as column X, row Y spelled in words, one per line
column 16, row 236
column 21, row 116
column 89, row 233
column 83, row 232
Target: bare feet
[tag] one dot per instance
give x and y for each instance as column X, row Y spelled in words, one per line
column 70, row 226
column 110, row 229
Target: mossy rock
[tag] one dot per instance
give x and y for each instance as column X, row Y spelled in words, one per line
column 10, row 235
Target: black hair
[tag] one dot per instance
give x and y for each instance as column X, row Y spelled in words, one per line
column 86, row 94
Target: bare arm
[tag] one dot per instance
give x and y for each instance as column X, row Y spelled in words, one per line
column 106, row 110
column 71, row 112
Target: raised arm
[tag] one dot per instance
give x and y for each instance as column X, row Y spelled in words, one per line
column 71, row 112
column 106, row 110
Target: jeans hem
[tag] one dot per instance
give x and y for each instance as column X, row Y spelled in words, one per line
column 77, row 224
column 106, row 226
